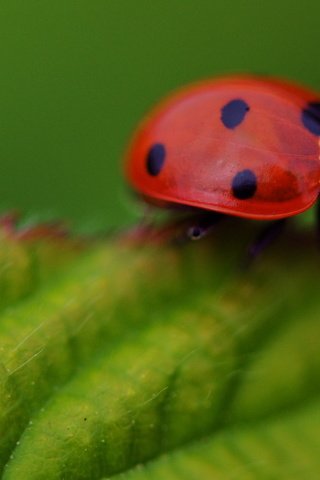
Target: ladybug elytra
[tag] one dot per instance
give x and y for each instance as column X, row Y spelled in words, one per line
column 240, row 145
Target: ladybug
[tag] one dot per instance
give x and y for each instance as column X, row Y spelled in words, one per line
column 244, row 146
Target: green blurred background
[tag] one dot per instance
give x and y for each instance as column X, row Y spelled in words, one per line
column 76, row 76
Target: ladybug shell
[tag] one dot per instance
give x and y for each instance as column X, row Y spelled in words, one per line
column 245, row 146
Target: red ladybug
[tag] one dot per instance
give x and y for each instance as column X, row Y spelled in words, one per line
column 240, row 145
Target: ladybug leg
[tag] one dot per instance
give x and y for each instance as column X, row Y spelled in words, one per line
column 203, row 226
column 175, row 232
column 264, row 239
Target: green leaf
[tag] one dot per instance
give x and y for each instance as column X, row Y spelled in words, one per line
column 162, row 362
column 285, row 448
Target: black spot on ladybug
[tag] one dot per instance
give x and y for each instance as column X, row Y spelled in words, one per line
column 311, row 117
column 244, row 184
column 233, row 113
column 155, row 159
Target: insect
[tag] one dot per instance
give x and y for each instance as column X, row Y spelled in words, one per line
column 240, row 145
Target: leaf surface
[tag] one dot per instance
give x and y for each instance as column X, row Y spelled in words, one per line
column 172, row 359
